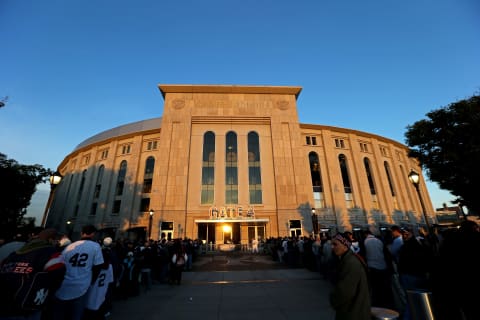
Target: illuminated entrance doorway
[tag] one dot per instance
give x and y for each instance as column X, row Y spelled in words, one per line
column 230, row 233
column 206, row 232
column 256, row 232
column 227, row 234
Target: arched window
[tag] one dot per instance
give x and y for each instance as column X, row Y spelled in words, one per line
column 80, row 191
column 371, row 184
column 98, row 183
column 82, row 184
column 254, row 173
column 96, row 191
column 208, row 168
column 316, row 176
column 391, row 183
column 231, row 168
column 368, row 172
column 346, row 181
column 122, row 172
column 389, row 177
column 148, row 175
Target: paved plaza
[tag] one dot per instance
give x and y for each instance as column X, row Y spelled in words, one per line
column 229, row 287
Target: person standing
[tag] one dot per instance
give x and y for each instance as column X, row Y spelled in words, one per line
column 28, row 275
column 98, row 305
column 380, row 271
column 83, row 260
column 179, row 258
column 317, row 253
column 414, row 266
column 254, row 245
column 350, row 297
column 397, row 242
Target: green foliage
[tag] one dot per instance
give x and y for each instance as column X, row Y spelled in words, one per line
column 18, row 183
column 448, row 147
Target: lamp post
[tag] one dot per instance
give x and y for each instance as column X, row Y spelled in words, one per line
column 314, row 222
column 151, row 212
column 55, row 179
column 414, row 178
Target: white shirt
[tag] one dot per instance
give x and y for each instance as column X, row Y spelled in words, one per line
column 80, row 257
column 97, row 291
column 374, row 253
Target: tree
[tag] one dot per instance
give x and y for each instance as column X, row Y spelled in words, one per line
column 3, row 101
column 448, row 147
column 17, row 185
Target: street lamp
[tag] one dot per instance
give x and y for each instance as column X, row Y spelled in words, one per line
column 414, row 178
column 55, row 179
column 314, row 222
column 151, row 212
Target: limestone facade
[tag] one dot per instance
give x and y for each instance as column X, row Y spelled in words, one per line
column 109, row 179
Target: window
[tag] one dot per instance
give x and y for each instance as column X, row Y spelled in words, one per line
column 93, row 209
column 104, row 154
column 121, row 178
column 145, row 204
column 148, row 175
column 311, row 140
column 208, row 168
column 346, row 181
column 152, row 145
column 371, row 184
column 254, row 173
column 295, row 227
column 126, row 149
column 363, row 147
column 98, row 184
column 316, row 176
column 147, row 186
column 231, row 168
column 82, row 185
column 116, row 206
column 167, row 230
column 389, row 177
column 340, row 143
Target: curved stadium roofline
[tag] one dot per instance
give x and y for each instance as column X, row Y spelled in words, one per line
column 139, row 126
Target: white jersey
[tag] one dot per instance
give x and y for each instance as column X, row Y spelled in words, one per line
column 98, row 290
column 80, row 257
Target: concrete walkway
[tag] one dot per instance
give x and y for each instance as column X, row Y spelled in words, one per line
column 263, row 293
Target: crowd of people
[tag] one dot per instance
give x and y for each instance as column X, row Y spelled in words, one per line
column 51, row 277
column 440, row 263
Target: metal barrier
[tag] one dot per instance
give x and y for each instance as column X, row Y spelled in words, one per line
column 419, row 304
column 384, row 314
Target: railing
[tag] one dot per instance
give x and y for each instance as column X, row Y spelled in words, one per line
column 212, row 248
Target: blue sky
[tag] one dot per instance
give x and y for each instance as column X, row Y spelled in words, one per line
column 72, row 69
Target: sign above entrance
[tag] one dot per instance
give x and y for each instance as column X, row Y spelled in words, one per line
column 230, row 212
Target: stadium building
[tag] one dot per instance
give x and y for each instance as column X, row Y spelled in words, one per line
column 226, row 164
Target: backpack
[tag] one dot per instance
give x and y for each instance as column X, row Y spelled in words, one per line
column 180, row 260
column 25, row 285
